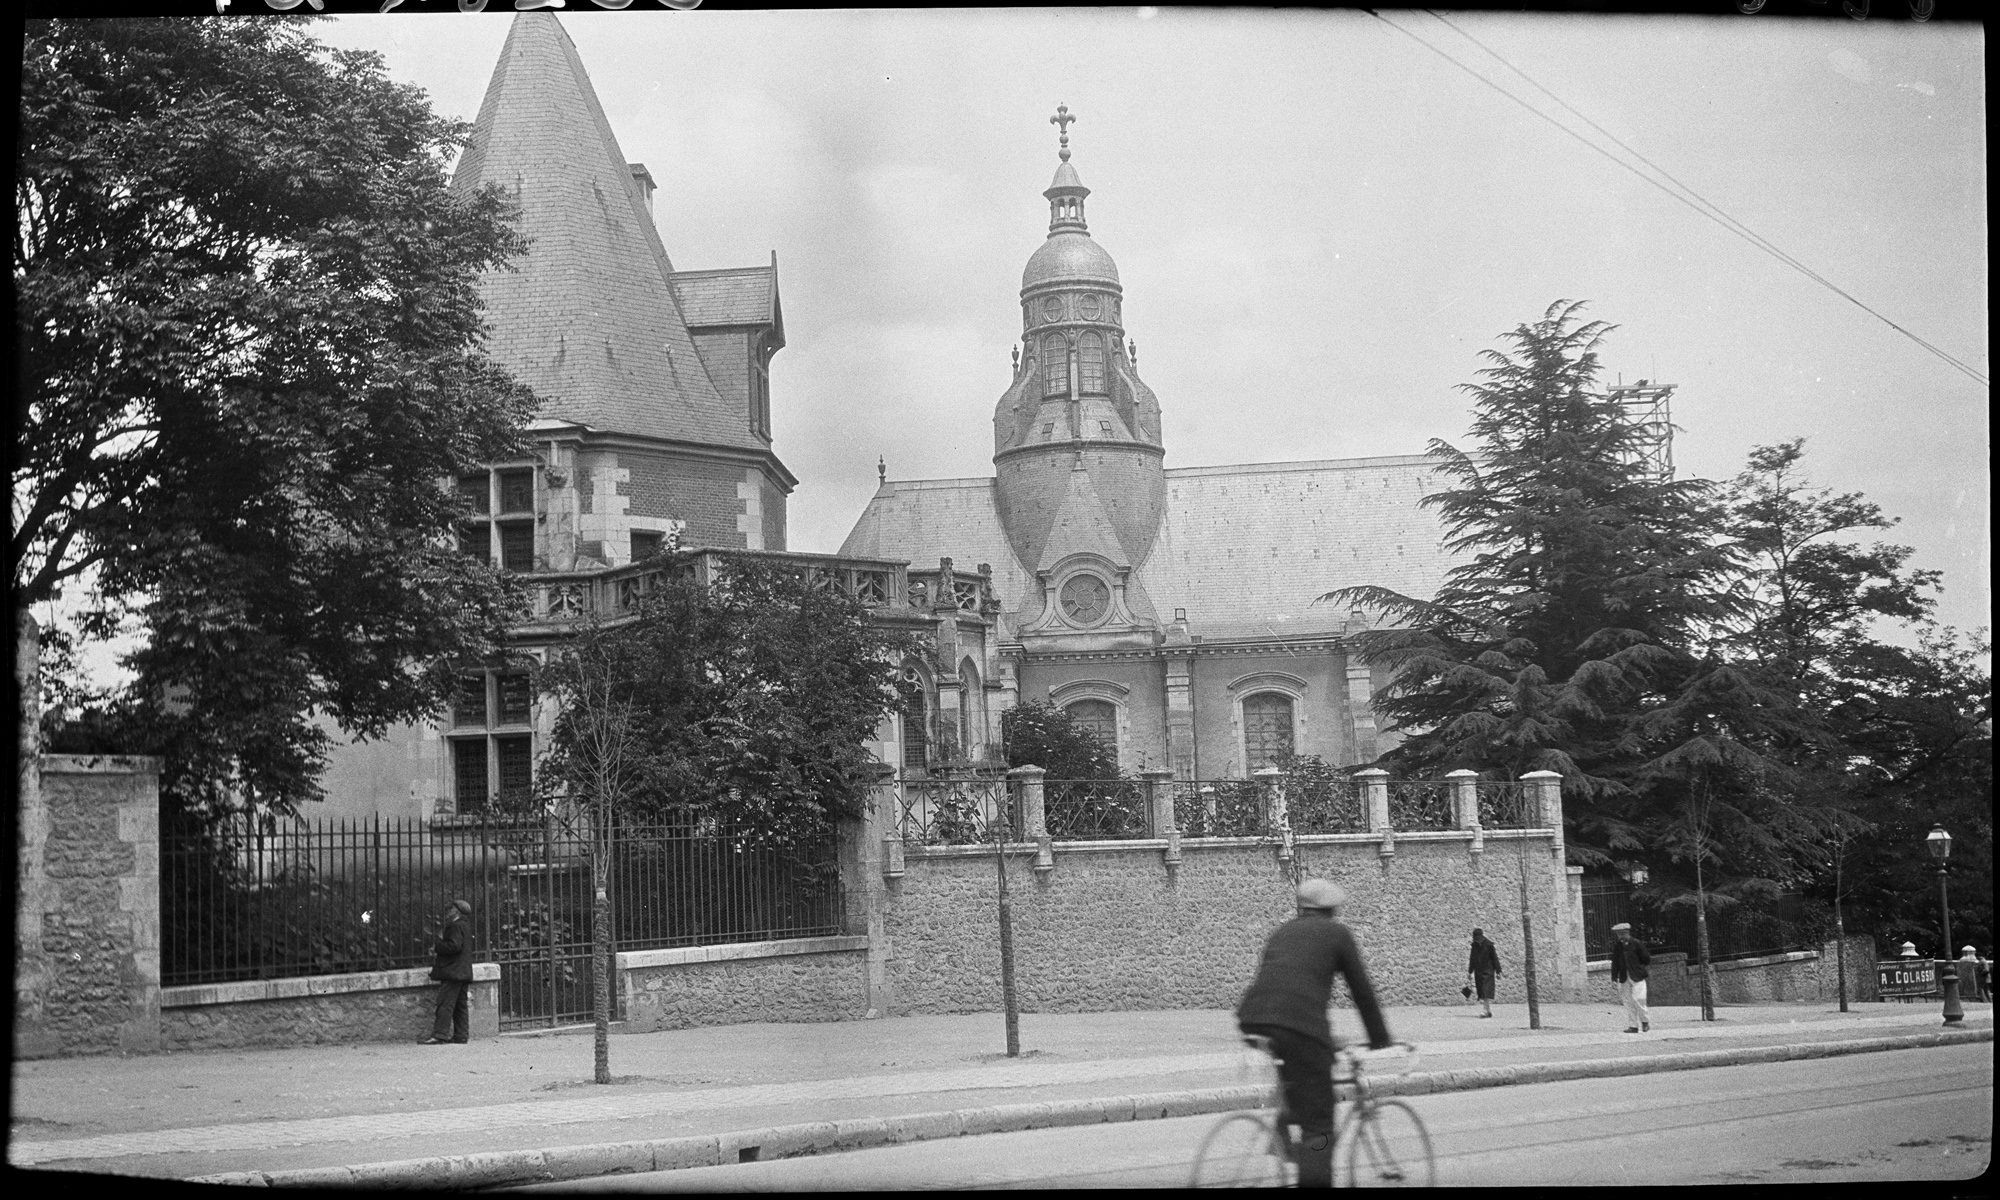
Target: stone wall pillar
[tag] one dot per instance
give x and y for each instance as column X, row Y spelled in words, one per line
column 1034, row 816
column 1545, row 805
column 1464, row 798
column 1375, row 798
column 32, row 970
column 1159, row 802
column 98, row 921
column 865, row 868
column 1271, row 796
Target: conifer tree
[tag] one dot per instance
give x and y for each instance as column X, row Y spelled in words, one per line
column 1586, row 580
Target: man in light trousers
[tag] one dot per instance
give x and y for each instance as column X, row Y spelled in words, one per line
column 1629, row 959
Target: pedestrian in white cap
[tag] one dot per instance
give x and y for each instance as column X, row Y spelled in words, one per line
column 1629, row 960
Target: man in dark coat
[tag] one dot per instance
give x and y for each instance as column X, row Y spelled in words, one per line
column 1629, row 959
column 453, row 972
column 1481, row 968
column 1287, row 1004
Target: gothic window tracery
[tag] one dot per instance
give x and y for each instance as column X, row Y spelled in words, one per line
column 916, row 720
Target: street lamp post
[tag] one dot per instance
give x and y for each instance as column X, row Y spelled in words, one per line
column 1940, row 844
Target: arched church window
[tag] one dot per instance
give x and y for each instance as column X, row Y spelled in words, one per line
column 1055, row 366
column 1090, row 363
column 1100, row 718
column 1267, row 730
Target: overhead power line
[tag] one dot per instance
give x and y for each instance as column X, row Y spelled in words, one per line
column 1685, row 194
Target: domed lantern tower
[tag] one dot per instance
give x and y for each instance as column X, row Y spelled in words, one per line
column 1076, row 438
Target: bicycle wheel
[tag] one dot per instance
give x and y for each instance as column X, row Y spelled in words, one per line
column 1388, row 1146
column 1241, row 1150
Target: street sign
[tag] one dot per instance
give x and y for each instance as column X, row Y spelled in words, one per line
column 1906, row 978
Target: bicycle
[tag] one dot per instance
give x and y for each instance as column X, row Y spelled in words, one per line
column 1386, row 1142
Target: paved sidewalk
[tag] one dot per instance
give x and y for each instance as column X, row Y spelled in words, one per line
column 191, row 1114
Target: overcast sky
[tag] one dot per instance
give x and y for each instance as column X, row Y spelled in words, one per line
column 1319, row 223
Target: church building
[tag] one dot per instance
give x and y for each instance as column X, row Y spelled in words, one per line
column 1172, row 609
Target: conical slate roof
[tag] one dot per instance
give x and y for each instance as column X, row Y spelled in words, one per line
column 587, row 317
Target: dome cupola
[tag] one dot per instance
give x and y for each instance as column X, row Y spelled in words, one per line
column 1069, row 253
column 1076, row 436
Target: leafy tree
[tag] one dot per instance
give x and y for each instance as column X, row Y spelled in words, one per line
column 248, row 335
column 1039, row 734
column 1918, row 723
column 1905, row 743
column 746, row 700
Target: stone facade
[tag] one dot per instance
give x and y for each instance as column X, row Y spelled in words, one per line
column 95, row 899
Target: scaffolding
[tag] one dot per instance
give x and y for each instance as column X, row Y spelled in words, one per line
column 1645, row 408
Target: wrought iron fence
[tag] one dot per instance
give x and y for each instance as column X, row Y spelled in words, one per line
column 1419, row 804
column 1094, row 809
column 333, row 898
column 956, row 812
column 250, row 903
column 1218, row 807
column 1325, row 805
column 1605, row 903
column 1503, row 804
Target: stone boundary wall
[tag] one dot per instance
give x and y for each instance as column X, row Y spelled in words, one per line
column 1113, row 925
column 90, row 895
column 795, row 979
column 365, row 1006
column 1791, row 976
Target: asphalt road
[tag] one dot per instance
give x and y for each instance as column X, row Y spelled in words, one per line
column 1902, row 1115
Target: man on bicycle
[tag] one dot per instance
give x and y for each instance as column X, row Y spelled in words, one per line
column 1287, row 1004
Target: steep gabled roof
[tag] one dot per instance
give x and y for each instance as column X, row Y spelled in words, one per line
column 587, row 317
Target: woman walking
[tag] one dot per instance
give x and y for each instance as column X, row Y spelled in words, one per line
column 1481, row 968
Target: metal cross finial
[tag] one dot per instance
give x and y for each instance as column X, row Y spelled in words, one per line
column 1062, row 120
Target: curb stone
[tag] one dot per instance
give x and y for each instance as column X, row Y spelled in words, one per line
column 517, row 1167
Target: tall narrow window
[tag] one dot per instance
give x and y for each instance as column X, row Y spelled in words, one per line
column 1100, row 717
column 1090, row 364
column 1267, row 730
column 492, row 745
column 514, row 707
column 469, row 705
column 1055, row 366
column 517, row 545
column 916, row 742
column 469, row 771
column 516, row 770
column 517, row 491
